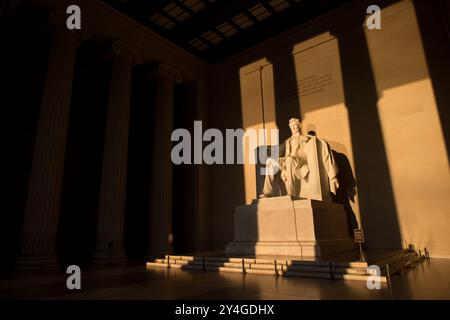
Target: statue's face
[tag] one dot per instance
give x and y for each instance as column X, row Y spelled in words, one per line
column 295, row 126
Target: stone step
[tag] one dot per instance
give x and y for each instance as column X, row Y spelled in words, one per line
column 260, row 266
column 156, row 264
column 187, row 262
column 355, row 270
column 184, row 258
column 394, row 258
column 383, row 279
column 307, row 268
column 376, row 259
column 341, row 270
column 304, row 274
column 246, row 260
column 303, row 263
column 261, row 271
column 227, row 264
column 174, row 265
column 264, row 266
column 186, row 266
column 223, row 269
column 354, row 264
column 217, row 259
column 228, row 260
column 172, row 257
column 193, row 266
column 179, row 261
column 266, row 261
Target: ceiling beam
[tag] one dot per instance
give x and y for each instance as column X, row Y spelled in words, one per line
column 304, row 11
column 268, row 7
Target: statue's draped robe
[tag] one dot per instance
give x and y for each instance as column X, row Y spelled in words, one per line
column 329, row 164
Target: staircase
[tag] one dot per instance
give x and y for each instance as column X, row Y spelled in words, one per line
column 391, row 265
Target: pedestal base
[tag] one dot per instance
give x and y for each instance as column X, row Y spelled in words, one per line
column 282, row 226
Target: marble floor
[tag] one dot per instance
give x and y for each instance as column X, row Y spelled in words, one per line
column 429, row 280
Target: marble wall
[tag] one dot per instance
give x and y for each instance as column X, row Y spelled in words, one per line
column 378, row 98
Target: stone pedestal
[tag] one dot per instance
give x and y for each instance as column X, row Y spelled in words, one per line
column 282, row 226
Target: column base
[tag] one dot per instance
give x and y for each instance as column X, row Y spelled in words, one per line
column 109, row 257
column 26, row 261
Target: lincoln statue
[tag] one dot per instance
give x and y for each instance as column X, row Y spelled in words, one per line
column 294, row 168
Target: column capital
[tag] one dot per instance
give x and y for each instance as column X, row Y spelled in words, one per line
column 167, row 71
column 125, row 49
column 56, row 18
column 57, row 21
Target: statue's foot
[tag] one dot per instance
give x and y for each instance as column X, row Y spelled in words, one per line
column 264, row 196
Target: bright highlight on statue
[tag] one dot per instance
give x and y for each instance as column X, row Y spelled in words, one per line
column 293, row 169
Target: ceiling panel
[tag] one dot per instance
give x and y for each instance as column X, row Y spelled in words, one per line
column 215, row 29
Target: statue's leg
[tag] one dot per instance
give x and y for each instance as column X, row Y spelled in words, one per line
column 269, row 180
column 290, row 177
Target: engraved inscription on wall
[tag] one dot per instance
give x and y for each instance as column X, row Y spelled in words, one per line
column 309, row 85
column 318, row 78
column 314, row 84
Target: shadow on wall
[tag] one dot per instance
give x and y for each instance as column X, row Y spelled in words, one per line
column 284, row 77
column 436, row 44
column 347, row 189
column 377, row 204
column 347, row 183
column 226, row 180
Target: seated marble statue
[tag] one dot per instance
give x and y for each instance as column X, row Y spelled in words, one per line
column 307, row 169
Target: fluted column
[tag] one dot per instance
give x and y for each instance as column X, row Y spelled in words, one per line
column 111, row 214
column 44, row 188
column 201, row 175
column 161, row 183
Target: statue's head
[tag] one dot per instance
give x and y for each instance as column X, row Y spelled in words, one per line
column 295, row 125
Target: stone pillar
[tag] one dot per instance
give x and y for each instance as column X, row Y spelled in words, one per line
column 111, row 214
column 44, row 188
column 202, row 234
column 161, row 183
